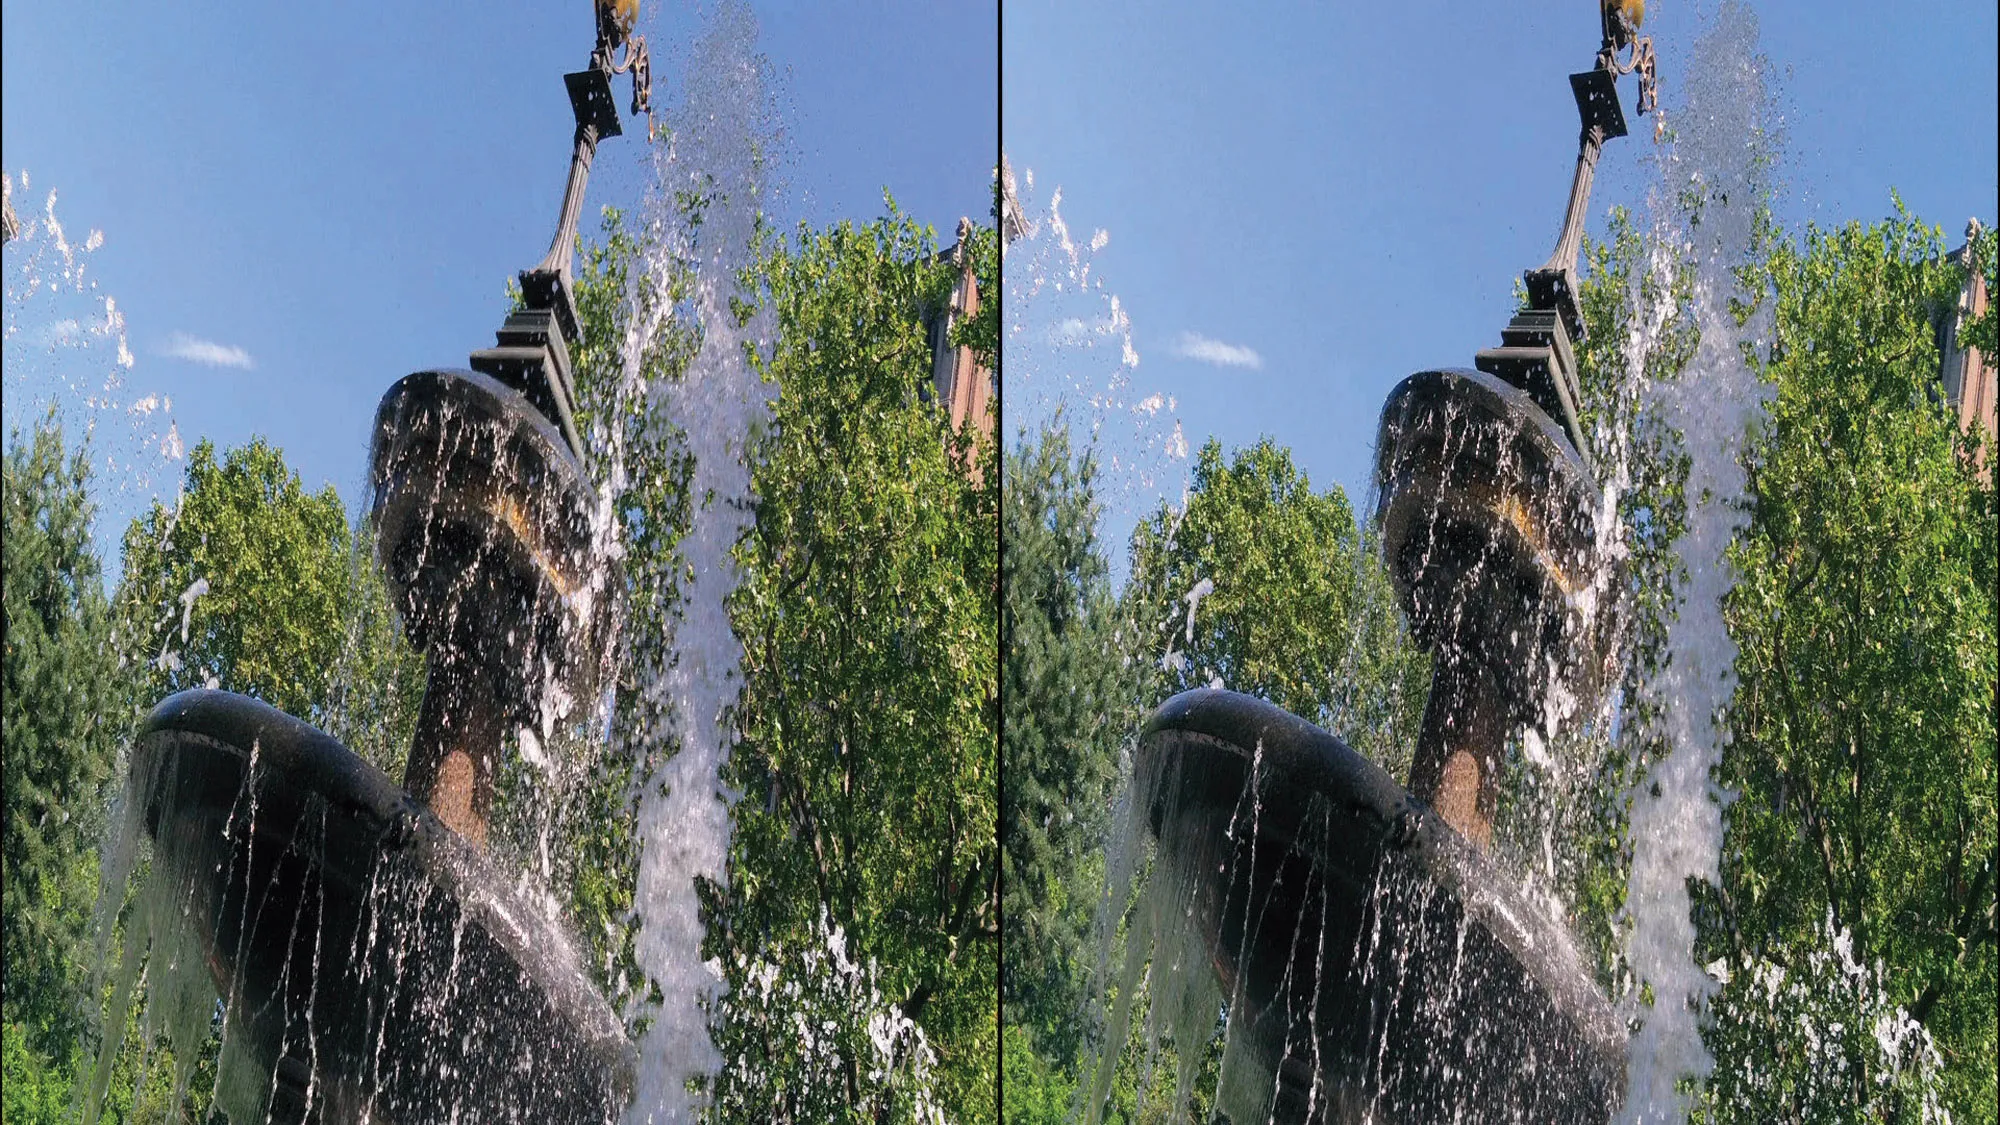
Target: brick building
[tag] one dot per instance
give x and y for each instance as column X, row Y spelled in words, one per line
column 1969, row 377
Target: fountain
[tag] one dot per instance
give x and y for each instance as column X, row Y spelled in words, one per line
column 374, row 963
column 1377, row 965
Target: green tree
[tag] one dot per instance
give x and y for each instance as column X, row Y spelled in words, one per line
column 1863, row 729
column 868, row 760
column 1071, row 696
column 67, row 705
column 1036, row 1093
column 1272, row 589
column 251, row 584
column 34, row 1091
column 1263, row 586
column 1853, row 923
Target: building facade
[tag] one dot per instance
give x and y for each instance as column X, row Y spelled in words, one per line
column 963, row 386
column 1969, row 377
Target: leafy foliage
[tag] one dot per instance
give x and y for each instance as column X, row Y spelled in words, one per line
column 852, row 1054
column 67, row 705
column 1266, row 587
column 1036, row 1093
column 868, row 715
column 250, row 584
column 1863, row 727
column 1071, row 695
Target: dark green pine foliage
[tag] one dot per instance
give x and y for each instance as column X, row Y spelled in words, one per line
column 67, row 708
column 1070, row 697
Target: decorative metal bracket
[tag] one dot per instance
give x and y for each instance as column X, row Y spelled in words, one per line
column 532, row 353
column 1621, row 33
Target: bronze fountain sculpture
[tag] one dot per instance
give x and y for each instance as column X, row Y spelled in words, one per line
column 1377, row 965
column 373, row 961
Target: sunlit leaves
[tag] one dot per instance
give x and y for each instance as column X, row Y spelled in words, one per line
column 869, row 714
column 1266, row 587
column 1865, row 615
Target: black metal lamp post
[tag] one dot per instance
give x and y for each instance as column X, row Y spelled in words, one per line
column 374, row 962
column 1379, row 966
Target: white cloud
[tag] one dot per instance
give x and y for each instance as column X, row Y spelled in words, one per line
column 183, row 346
column 1075, row 330
column 1195, row 346
column 62, row 333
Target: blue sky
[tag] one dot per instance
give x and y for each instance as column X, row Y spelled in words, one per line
column 302, row 203
column 336, row 194
column 1305, row 203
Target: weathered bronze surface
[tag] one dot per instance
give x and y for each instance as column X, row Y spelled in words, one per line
column 484, row 534
column 371, row 958
column 1375, row 963
column 1488, row 523
column 1379, row 969
column 483, row 500
column 1488, row 500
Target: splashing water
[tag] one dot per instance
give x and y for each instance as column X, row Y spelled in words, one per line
column 1676, row 814
column 720, row 404
column 1070, row 350
column 702, row 219
column 67, row 352
column 1719, row 157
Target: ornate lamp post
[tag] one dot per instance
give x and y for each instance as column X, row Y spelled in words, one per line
column 373, row 961
column 1379, row 967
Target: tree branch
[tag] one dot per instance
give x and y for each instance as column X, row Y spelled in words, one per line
column 1974, row 926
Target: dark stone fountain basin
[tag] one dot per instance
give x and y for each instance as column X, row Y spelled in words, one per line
column 1377, row 964
column 373, row 962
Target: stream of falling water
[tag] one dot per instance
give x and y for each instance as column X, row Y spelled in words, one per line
column 719, row 404
column 1723, row 138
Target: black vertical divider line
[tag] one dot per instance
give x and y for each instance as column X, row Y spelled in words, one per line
column 1000, row 568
